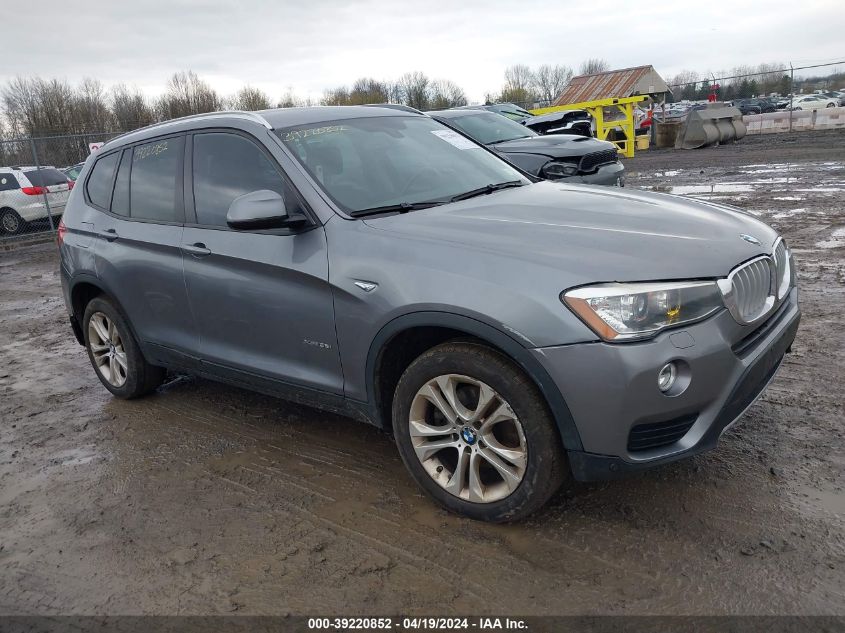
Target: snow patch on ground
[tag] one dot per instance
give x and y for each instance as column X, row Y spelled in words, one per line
column 837, row 240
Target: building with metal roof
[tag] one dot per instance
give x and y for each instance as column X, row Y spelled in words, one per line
column 626, row 82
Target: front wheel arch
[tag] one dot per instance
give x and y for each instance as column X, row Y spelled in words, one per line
column 464, row 326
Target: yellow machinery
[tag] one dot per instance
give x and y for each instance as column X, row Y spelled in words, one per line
column 625, row 105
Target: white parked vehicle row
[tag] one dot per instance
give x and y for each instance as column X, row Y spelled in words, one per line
column 22, row 195
column 814, row 102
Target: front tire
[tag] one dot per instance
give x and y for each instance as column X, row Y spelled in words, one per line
column 114, row 352
column 476, row 434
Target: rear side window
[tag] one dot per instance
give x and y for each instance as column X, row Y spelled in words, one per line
column 45, row 177
column 120, row 200
column 155, row 180
column 8, row 182
column 100, row 181
column 227, row 166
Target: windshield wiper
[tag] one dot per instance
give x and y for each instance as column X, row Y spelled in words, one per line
column 401, row 207
column 481, row 191
column 510, row 138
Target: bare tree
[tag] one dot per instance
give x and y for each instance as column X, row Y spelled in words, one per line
column 250, row 98
column 414, row 86
column 91, row 108
column 592, row 66
column 519, row 82
column 445, row 94
column 334, row 96
column 130, row 108
column 368, row 90
column 549, row 81
column 683, row 78
column 187, row 94
column 291, row 100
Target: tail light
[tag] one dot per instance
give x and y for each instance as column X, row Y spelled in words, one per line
column 34, row 191
column 60, row 232
column 70, row 184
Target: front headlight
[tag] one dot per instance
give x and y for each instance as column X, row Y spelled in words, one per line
column 559, row 169
column 624, row 312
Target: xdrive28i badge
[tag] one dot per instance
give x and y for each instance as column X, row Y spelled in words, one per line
column 750, row 239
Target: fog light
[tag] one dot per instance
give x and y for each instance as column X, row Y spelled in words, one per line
column 666, row 377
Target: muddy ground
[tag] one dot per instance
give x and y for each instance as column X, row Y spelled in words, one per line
column 208, row 499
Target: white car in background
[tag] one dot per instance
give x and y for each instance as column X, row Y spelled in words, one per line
column 814, row 102
column 22, row 196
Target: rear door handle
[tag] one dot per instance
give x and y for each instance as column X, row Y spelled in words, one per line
column 198, row 249
column 108, row 234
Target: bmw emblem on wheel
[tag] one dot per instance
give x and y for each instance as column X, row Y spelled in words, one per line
column 750, row 239
column 468, row 435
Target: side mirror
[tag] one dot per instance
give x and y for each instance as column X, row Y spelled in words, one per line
column 263, row 209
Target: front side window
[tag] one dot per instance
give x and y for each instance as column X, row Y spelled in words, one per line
column 373, row 162
column 226, row 166
column 155, row 180
column 489, row 128
column 100, row 181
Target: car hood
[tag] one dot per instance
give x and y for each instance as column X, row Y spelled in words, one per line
column 590, row 234
column 554, row 145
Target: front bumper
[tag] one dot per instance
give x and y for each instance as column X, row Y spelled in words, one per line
column 612, row 174
column 612, row 388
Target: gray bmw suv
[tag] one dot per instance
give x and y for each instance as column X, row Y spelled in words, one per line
column 372, row 261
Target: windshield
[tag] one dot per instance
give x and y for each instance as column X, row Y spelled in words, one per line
column 488, row 128
column 376, row 162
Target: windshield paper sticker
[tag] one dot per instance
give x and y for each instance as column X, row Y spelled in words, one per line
column 453, row 138
column 313, row 131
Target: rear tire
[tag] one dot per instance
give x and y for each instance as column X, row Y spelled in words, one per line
column 11, row 222
column 114, row 353
column 490, row 476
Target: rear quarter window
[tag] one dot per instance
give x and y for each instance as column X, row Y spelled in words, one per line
column 100, row 181
column 8, row 182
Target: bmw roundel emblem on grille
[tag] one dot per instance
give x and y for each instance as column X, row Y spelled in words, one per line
column 750, row 239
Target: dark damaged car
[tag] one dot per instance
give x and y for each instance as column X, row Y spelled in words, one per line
column 577, row 159
column 570, row 121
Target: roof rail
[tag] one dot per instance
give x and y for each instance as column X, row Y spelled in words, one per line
column 253, row 116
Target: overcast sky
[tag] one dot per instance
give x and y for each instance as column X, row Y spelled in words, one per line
column 311, row 45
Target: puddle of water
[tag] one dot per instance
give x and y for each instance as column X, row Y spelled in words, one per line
column 788, row 198
column 74, row 456
column 791, row 212
column 683, row 190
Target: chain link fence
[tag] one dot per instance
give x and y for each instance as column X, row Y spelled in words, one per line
column 36, row 177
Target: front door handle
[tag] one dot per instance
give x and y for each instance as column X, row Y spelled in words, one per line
column 108, row 234
column 197, row 249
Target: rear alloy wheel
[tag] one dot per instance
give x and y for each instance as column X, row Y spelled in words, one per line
column 476, row 434
column 106, row 347
column 11, row 222
column 115, row 353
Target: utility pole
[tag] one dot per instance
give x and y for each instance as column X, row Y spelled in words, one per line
column 41, row 183
column 791, row 92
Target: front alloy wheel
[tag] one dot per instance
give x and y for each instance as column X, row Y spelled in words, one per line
column 476, row 434
column 467, row 438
